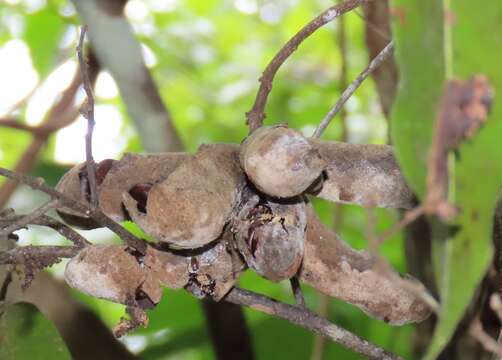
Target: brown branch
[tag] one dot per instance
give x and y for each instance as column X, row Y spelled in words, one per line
column 54, row 224
column 375, row 63
column 256, row 115
column 18, row 254
column 87, row 112
column 94, row 213
column 309, row 320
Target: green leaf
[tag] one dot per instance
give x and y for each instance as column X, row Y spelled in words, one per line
column 469, row 253
column 26, row 334
column 43, row 33
column 418, row 32
column 422, row 47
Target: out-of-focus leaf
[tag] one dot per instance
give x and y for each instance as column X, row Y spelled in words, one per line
column 420, row 53
column 25, row 334
column 43, row 33
column 418, row 33
column 468, row 254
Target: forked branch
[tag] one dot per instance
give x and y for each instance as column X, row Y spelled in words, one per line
column 375, row 63
column 256, row 115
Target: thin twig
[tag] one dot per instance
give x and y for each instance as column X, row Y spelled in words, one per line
column 309, row 320
column 54, row 224
column 25, row 220
column 407, row 219
column 256, row 115
column 84, row 208
column 380, row 58
column 87, row 112
column 297, row 291
column 18, row 254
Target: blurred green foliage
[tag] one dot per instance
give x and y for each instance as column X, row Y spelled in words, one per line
column 26, row 334
column 429, row 51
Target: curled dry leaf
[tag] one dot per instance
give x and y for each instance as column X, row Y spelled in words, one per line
column 191, row 207
column 270, row 235
column 366, row 175
column 464, row 109
column 121, row 275
column 280, row 161
column 216, row 270
column 335, row 269
column 131, row 170
column 113, row 178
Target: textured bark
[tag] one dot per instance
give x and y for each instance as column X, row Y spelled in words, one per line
column 309, row 320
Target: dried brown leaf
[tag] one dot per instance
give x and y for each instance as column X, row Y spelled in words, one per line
column 463, row 110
